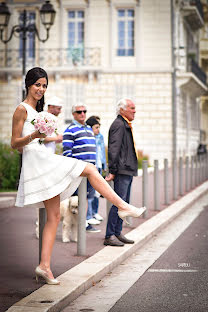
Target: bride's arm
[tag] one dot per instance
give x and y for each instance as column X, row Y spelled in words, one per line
column 19, row 118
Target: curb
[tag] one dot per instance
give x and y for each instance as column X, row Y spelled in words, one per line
column 83, row 276
column 7, row 202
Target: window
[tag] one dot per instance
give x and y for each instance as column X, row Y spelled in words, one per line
column 30, row 41
column 125, row 23
column 76, row 35
column 192, row 46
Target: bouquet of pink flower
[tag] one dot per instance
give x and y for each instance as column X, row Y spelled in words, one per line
column 45, row 123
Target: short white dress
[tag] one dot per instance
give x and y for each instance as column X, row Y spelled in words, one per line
column 43, row 174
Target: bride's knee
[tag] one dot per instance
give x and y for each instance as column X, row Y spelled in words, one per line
column 58, row 217
column 89, row 169
column 54, row 217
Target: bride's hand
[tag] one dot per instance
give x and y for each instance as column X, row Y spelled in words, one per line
column 39, row 135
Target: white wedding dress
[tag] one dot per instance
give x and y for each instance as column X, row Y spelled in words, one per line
column 43, row 174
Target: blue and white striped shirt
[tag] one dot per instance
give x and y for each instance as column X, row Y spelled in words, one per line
column 79, row 142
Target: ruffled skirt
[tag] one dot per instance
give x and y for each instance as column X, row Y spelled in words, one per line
column 45, row 175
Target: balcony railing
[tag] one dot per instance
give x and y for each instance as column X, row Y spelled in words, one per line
column 193, row 12
column 64, row 58
column 197, row 71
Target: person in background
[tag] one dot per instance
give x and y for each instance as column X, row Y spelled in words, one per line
column 54, row 105
column 202, row 149
column 94, row 122
column 123, row 165
column 79, row 142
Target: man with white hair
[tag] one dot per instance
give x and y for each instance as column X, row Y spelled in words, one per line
column 123, row 165
column 54, row 106
column 79, row 142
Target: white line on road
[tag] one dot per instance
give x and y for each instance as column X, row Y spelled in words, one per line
column 170, row 270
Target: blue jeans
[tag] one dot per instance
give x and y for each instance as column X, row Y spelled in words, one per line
column 122, row 186
column 90, row 198
column 95, row 202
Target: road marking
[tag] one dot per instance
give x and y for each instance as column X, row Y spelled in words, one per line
column 170, row 270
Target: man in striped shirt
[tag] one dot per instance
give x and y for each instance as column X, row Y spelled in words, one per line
column 79, row 142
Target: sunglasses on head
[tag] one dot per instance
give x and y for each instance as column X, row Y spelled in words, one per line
column 81, row 111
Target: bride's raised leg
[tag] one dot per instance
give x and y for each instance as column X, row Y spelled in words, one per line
column 100, row 185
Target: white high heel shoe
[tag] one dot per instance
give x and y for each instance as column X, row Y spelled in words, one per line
column 131, row 212
column 41, row 273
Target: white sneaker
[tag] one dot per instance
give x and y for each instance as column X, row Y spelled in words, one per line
column 98, row 217
column 93, row 221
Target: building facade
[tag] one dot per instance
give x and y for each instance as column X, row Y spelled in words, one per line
column 101, row 50
column 204, row 65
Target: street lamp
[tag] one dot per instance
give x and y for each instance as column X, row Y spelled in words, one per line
column 47, row 16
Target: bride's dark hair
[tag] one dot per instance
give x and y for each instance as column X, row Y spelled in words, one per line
column 31, row 77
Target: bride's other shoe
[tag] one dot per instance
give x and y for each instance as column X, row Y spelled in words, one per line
column 131, row 212
column 41, row 273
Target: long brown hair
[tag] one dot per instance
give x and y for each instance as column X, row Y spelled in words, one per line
column 31, row 77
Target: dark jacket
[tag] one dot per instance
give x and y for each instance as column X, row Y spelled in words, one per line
column 121, row 153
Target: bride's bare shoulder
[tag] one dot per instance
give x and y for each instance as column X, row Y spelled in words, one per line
column 20, row 111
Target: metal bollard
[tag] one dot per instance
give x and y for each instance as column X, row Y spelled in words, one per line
column 166, row 181
column 202, row 174
column 174, row 169
column 82, row 194
column 187, row 174
column 196, row 170
column 42, row 220
column 181, row 176
column 156, row 186
column 199, row 170
column 206, row 166
column 203, row 169
column 192, row 173
column 144, row 186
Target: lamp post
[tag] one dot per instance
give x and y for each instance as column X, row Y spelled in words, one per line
column 47, row 16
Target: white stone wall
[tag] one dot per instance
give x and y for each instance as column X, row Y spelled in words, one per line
column 146, row 77
column 10, row 95
column 156, row 34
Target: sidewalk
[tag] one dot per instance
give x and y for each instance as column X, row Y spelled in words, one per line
column 80, row 272
column 7, row 199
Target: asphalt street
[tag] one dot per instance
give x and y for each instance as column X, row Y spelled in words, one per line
column 178, row 280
